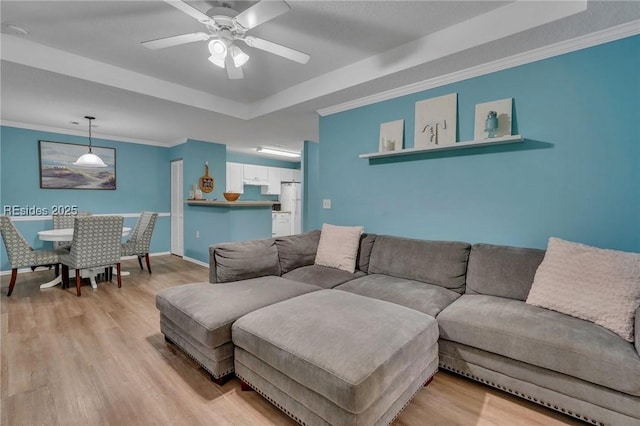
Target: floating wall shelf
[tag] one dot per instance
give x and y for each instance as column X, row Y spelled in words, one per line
column 459, row 145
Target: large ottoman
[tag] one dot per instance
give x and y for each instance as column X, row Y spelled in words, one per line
column 336, row 358
column 198, row 317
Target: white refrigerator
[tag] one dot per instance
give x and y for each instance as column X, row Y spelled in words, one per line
column 291, row 201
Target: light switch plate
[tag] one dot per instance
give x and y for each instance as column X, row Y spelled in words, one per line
column 326, row 204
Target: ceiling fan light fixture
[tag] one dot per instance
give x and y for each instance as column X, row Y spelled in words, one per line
column 218, row 48
column 239, row 57
column 217, row 61
column 280, row 152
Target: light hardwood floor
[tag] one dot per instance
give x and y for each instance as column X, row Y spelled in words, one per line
column 100, row 359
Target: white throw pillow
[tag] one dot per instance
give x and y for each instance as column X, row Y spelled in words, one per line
column 597, row 285
column 338, row 247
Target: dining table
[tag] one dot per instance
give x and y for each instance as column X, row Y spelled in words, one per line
column 66, row 234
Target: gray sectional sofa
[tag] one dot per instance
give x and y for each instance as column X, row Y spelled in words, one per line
column 476, row 293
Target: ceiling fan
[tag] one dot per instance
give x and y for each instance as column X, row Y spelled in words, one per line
column 225, row 26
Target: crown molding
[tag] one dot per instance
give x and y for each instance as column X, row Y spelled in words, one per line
column 583, row 42
column 501, row 22
column 37, row 127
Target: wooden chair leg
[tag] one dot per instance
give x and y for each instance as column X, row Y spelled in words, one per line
column 119, row 275
column 140, row 262
column 65, row 276
column 78, row 283
column 14, row 276
column 146, row 256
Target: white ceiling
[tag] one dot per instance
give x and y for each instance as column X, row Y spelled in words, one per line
column 85, row 58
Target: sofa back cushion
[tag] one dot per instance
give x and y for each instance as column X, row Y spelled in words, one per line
column 442, row 263
column 502, row 271
column 296, row 251
column 243, row 260
column 364, row 252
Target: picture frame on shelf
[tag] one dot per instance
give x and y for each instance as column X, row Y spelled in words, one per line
column 503, row 110
column 436, row 121
column 391, row 136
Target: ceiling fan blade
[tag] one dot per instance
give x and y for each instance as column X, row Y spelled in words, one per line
column 189, row 10
column 161, row 43
column 278, row 49
column 260, row 13
column 233, row 72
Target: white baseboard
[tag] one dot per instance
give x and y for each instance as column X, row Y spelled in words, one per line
column 196, row 261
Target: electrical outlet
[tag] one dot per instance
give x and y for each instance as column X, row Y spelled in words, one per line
column 326, row 204
column 197, row 234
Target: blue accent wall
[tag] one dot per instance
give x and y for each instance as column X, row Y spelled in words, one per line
column 205, row 226
column 142, row 174
column 576, row 176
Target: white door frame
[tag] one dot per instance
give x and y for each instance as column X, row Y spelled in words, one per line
column 177, row 208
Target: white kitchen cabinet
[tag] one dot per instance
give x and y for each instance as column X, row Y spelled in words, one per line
column 290, row 175
column 286, row 175
column 280, row 224
column 255, row 175
column 235, row 175
column 273, row 187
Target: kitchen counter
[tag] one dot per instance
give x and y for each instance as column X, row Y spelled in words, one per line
column 215, row 203
column 214, row 222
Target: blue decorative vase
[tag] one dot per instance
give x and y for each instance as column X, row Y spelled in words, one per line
column 491, row 124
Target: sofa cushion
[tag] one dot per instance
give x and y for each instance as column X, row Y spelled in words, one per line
column 338, row 247
column 361, row 347
column 594, row 284
column 543, row 338
column 502, row 270
column 441, row 263
column 322, row 276
column 637, row 331
column 246, row 259
column 206, row 311
column 427, row 298
column 298, row 250
column 364, row 252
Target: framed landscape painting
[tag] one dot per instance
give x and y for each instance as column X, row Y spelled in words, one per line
column 57, row 170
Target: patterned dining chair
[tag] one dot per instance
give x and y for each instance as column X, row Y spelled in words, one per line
column 96, row 244
column 140, row 239
column 21, row 254
column 64, row 221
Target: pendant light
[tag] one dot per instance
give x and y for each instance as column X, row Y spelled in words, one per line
column 89, row 159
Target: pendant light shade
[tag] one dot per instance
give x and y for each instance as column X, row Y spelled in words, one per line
column 89, row 159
